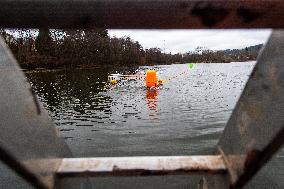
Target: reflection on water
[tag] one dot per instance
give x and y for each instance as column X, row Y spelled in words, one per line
column 184, row 117
column 152, row 103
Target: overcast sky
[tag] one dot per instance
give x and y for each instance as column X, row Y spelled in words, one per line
column 187, row 40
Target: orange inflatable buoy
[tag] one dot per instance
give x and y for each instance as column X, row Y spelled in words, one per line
column 151, row 78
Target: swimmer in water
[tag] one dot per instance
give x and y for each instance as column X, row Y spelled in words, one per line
column 160, row 82
column 156, row 87
column 153, row 89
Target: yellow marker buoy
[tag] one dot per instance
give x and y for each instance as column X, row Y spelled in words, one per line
column 151, row 78
column 113, row 82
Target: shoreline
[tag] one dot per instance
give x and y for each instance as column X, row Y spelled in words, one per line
column 40, row 69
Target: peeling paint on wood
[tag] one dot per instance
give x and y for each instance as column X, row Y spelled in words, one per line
column 142, row 166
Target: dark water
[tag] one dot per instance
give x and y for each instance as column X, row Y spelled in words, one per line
column 184, row 117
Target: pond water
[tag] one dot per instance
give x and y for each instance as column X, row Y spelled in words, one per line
column 185, row 116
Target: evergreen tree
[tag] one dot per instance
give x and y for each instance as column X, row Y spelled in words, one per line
column 43, row 42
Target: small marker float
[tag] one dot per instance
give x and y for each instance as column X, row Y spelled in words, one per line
column 113, row 81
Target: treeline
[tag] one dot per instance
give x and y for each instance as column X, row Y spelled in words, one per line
column 91, row 48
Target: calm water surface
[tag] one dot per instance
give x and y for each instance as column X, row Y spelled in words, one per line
column 184, row 117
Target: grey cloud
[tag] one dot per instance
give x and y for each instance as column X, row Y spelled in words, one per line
column 187, row 40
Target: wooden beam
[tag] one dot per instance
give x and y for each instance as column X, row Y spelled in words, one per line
column 130, row 14
column 141, row 166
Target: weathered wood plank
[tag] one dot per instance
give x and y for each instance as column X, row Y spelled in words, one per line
column 158, row 14
column 141, row 166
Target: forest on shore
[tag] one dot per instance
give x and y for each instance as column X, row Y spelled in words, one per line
column 51, row 49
